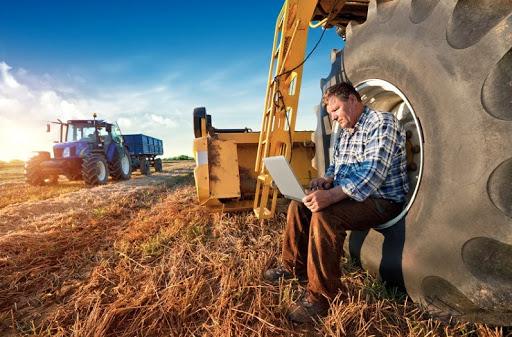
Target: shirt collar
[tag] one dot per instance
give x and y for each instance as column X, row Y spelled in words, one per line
column 360, row 121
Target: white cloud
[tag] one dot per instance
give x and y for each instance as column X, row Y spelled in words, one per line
column 7, row 78
column 162, row 109
column 163, row 121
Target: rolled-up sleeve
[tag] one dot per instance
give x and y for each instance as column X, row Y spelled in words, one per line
column 366, row 176
column 330, row 171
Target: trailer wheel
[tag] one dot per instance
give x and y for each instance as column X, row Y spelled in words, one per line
column 121, row 167
column 33, row 174
column 451, row 61
column 95, row 169
column 145, row 167
column 158, row 165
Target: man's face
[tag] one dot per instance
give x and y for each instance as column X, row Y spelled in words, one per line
column 341, row 111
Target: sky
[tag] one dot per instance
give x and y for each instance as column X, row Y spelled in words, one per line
column 144, row 64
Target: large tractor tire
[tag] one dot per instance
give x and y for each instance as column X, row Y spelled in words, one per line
column 121, row 166
column 158, row 165
column 33, row 173
column 95, row 169
column 445, row 67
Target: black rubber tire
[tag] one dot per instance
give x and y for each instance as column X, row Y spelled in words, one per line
column 198, row 114
column 116, row 166
column 91, row 172
column 33, row 174
column 145, row 167
column 453, row 62
column 158, row 165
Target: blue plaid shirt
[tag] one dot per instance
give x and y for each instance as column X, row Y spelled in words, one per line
column 370, row 159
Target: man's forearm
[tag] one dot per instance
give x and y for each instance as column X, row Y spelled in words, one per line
column 336, row 194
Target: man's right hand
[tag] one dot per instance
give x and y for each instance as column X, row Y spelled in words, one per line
column 321, row 184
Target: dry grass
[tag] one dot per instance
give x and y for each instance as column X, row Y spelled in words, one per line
column 156, row 264
column 13, row 188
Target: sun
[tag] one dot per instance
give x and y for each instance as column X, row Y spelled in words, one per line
column 20, row 141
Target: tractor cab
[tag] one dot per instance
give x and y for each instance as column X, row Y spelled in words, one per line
column 79, row 137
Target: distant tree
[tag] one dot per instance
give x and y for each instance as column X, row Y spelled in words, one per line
column 181, row 157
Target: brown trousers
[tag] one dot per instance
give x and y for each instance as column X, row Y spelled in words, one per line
column 313, row 242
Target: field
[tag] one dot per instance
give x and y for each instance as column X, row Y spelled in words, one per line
column 141, row 258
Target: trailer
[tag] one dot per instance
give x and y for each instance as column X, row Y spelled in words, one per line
column 143, row 152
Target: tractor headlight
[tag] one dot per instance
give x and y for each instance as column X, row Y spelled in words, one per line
column 66, row 152
column 82, row 152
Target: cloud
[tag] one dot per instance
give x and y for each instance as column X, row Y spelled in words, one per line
column 163, row 121
column 7, row 78
column 162, row 108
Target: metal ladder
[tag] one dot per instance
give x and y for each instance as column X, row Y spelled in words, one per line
column 282, row 97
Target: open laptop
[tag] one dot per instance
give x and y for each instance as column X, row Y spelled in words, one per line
column 283, row 176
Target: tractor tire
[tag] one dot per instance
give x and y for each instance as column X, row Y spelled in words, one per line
column 158, row 165
column 145, row 167
column 121, row 166
column 33, row 174
column 452, row 60
column 95, row 169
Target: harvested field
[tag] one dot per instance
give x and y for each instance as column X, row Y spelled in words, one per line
column 141, row 258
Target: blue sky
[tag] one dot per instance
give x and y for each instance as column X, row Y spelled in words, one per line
column 144, row 64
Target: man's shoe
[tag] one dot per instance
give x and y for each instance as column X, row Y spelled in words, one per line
column 274, row 275
column 306, row 311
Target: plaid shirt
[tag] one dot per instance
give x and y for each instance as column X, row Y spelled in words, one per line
column 370, row 160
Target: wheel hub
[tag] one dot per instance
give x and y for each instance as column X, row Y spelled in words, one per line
column 102, row 171
column 125, row 164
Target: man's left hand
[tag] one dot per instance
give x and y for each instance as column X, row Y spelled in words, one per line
column 318, row 200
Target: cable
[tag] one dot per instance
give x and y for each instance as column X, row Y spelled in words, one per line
column 279, row 95
column 305, row 59
column 276, row 80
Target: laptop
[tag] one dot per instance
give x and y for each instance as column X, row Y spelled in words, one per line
column 283, row 176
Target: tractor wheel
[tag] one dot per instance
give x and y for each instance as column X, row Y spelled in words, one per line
column 145, row 167
column 95, row 169
column 158, row 165
column 445, row 69
column 33, row 174
column 121, row 166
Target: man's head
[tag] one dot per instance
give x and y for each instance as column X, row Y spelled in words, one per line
column 343, row 104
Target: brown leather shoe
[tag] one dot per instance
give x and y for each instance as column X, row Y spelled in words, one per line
column 306, row 311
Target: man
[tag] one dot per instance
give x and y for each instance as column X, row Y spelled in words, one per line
column 365, row 186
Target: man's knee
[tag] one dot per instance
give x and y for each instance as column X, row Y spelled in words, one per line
column 321, row 221
column 321, row 217
column 296, row 207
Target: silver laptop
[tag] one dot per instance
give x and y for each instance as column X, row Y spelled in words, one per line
column 283, row 176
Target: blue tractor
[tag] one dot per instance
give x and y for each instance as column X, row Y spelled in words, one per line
column 88, row 150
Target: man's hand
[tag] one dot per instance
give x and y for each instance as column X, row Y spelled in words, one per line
column 321, row 184
column 320, row 199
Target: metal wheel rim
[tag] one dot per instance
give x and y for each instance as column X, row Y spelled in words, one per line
column 125, row 164
column 375, row 92
column 102, row 171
